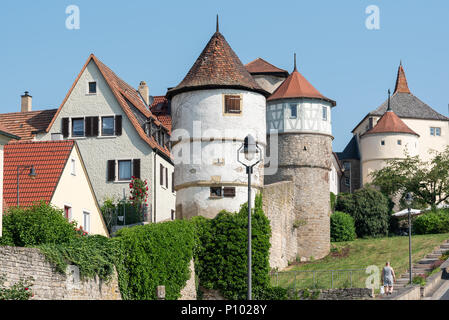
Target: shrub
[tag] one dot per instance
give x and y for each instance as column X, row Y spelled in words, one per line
column 153, row 255
column 36, row 225
column 370, row 210
column 221, row 262
column 21, row 290
column 342, row 227
column 432, row 222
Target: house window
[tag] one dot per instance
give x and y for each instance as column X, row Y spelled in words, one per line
column 233, row 104
column 324, row 113
column 382, row 143
column 293, row 111
column 92, row 87
column 166, row 178
column 435, row 131
column 68, row 213
column 161, row 174
column 78, row 127
column 86, row 221
column 215, row 192
column 124, row 170
column 229, row 192
column 73, row 167
column 347, row 165
column 432, row 131
column 370, row 123
column 399, row 142
column 107, row 126
column 347, row 181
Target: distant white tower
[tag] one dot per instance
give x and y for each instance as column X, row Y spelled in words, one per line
column 214, row 108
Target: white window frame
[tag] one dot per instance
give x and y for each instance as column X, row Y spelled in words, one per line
column 71, row 127
column 86, row 213
column 117, row 171
column 88, row 89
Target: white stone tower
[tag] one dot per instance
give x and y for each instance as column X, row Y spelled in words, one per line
column 213, row 109
column 302, row 117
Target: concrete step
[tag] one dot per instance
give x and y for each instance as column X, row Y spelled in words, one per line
column 427, row 261
column 433, row 256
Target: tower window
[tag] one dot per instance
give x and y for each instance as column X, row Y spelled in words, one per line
column 382, row 143
column 324, row 113
column 293, row 111
column 215, row 192
column 229, row 192
column 399, row 142
column 233, row 104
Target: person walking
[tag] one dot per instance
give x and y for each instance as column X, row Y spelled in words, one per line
column 388, row 278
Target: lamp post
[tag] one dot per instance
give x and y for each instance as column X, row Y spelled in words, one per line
column 408, row 201
column 250, row 150
column 31, row 174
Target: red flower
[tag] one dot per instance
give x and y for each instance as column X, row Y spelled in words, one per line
column 26, row 288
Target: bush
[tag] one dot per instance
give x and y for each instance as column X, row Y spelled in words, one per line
column 370, row 210
column 36, row 225
column 21, row 290
column 222, row 258
column 342, row 227
column 432, row 222
column 153, row 255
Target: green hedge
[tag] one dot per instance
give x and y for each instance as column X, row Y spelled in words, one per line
column 36, row 225
column 432, row 222
column 342, row 227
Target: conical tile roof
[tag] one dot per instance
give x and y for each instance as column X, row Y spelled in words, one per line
column 401, row 81
column 217, row 67
column 390, row 123
column 296, row 86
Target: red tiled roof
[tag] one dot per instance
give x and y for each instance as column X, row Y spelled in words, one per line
column 401, row 81
column 160, row 109
column 26, row 124
column 123, row 92
column 296, row 86
column 260, row 66
column 217, row 67
column 390, row 123
column 49, row 159
column 7, row 132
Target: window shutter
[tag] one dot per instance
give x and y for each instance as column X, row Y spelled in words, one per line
column 229, row 192
column 118, row 125
column 94, row 126
column 136, row 168
column 232, row 104
column 88, row 126
column 111, row 170
column 166, row 178
column 65, row 127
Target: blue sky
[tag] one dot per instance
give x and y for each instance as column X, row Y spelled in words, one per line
column 158, row 41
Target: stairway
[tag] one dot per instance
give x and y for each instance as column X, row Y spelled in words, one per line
column 423, row 266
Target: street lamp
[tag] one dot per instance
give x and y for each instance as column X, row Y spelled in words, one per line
column 250, row 151
column 31, row 174
column 408, row 201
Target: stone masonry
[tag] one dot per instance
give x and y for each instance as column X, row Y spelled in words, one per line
column 49, row 284
column 306, row 160
column 278, row 204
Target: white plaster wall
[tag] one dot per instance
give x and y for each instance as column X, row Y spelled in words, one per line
column 200, row 115
column 334, row 181
column 309, row 116
column 74, row 191
column 165, row 198
column 374, row 154
column 98, row 150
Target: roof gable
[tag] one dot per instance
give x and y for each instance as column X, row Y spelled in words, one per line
column 217, row 67
column 125, row 95
column 49, row 158
column 260, row 66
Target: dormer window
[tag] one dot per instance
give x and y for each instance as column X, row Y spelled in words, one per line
column 92, row 87
column 232, row 104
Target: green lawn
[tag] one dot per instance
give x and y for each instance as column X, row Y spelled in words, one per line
column 359, row 254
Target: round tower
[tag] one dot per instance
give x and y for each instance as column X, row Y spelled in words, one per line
column 302, row 118
column 213, row 109
column 389, row 139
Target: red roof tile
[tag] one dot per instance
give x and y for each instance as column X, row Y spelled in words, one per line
column 260, row 66
column 124, row 93
column 296, row 86
column 160, row 109
column 390, row 123
column 217, row 67
column 49, row 159
column 27, row 124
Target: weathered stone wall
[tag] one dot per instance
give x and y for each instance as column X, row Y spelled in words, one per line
column 305, row 159
column 49, row 284
column 278, row 205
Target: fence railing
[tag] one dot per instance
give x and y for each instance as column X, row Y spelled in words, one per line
column 320, row 279
column 124, row 214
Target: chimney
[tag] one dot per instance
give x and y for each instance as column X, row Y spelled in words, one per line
column 26, row 102
column 144, row 92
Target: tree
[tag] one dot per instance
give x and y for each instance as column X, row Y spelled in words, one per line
column 428, row 181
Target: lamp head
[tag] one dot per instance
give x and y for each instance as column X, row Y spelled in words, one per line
column 408, row 199
column 250, row 147
column 32, row 173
